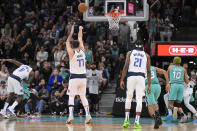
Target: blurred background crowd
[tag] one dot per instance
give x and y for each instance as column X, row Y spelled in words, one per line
column 34, row 32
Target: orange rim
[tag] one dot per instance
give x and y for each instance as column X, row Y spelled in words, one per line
column 114, row 15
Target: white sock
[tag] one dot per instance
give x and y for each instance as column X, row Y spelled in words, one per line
column 14, row 105
column 169, row 111
column 195, row 114
column 127, row 115
column 5, row 106
column 87, row 110
column 71, row 110
column 137, row 119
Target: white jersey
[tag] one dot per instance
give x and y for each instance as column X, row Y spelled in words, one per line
column 77, row 63
column 188, row 88
column 138, row 61
column 23, row 72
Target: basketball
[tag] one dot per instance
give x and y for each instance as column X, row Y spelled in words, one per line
column 82, row 7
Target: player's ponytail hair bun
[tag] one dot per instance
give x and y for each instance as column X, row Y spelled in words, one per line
column 177, row 60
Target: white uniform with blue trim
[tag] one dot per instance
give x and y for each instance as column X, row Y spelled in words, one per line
column 14, row 85
column 77, row 82
column 136, row 73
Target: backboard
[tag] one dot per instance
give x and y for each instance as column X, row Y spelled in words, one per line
column 134, row 10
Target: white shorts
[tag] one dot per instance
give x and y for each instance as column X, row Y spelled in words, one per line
column 77, row 86
column 14, row 86
column 137, row 84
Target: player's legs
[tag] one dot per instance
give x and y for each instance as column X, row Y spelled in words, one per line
column 173, row 98
column 188, row 105
column 152, row 104
column 177, row 104
column 19, row 91
column 82, row 93
column 71, row 92
column 140, row 92
column 131, row 82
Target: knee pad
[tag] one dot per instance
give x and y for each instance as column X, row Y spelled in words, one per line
column 84, row 100
column 71, row 101
column 178, row 105
column 139, row 104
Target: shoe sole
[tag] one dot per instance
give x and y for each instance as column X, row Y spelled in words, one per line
column 11, row 113
column 69, row 122
column 126, row 126
column 183, row 120
column 89, row 121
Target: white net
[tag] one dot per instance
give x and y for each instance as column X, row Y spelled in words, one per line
column 114, row 19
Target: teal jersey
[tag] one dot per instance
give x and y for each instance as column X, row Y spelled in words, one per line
column 176, row 74
column 154, row 78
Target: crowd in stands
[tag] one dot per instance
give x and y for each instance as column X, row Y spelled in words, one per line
column 35, row 31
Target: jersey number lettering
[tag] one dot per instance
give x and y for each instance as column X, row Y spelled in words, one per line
column 81, row 62
column 21, row 70
column 137, row 62
column 177, row 75
column 152, row 75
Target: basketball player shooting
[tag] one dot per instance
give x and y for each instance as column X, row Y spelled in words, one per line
column 77, row 82
column 22, row 73
column 137, row 63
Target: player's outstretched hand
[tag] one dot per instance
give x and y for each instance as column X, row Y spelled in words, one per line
column 81, row 27
column 148, row 90
column 122, row 85
column 168, row 87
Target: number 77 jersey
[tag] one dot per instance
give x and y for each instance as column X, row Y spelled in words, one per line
column 77, row 63
column 138, row 61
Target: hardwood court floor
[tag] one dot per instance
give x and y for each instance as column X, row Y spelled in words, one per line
column 48, row 123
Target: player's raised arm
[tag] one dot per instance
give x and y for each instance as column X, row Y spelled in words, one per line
column 161, row 71
column 68, row 45
column 125, row 69
column 17, row 63
column 80, row 38
column 148, row 73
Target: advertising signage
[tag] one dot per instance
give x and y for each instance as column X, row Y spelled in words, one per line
column 176, row 50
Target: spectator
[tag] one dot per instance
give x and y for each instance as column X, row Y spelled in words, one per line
column 54, row 35
column 124, row 33
column 3, row 93
column 55, row 80
column 169, row 12
column 186, row 6
column 41, row 56
column 46, row 70
column 36, row 79
column 57, row 55
column 28, row 48
column 59, row 99
column 89, row 55
column 94, row 79
column 160, row 24
column 91, row 35
column 34, row 104
column 42, row 85
column 167, row 30
column 64, row 72
column 4, row 73
column 152, row 27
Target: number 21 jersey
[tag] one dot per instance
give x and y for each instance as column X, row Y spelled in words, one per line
column 138, row 61
column 77, row 63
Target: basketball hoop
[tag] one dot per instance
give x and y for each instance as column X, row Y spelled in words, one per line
column 113, row 19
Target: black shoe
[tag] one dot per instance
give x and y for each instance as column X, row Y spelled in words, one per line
column 160, row 121
column 159, row 117
column 156, row 125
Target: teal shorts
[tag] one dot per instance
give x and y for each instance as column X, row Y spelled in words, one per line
column 176, row 92
column 154, row 95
